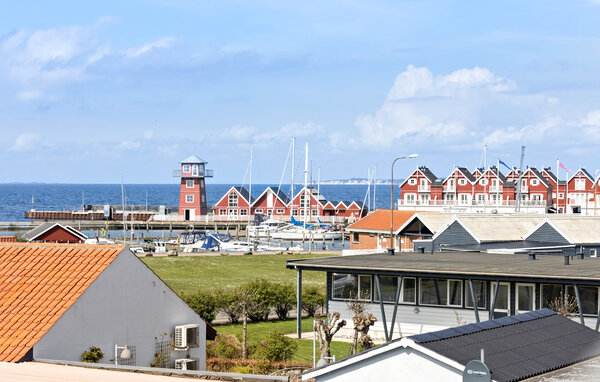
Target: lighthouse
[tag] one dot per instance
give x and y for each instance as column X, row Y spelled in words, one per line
column 192, row 189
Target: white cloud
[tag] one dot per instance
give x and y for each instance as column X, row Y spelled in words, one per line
column 26, row 142
column 254, row 136
column 163, row 43
column 129, row 145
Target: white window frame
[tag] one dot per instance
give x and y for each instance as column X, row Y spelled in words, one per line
column 232, row 199
column 412, row 182
column 517, row 285
column 243, row 212
column 534, row 182
column 195, row 170
column 448, row 291
column 280, row 211
column 462, row 182
column 483, row 182
column 189, row 198
column 492, row 292
column 315, row 212
column 188, row 182
column 580, row 184
column 401, row 300
column 232, row 212
column 258, row 211
column 186, row 168
column 222, row 211
column 410, row 198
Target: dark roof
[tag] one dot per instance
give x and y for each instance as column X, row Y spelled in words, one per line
column 500, row 175
column 540, row 176
column 428, row 174
column 466, row 174
column 281, row 195
column 551, row 175
column 245, row 194
column 489, row 266
column 517, row 347
column 587, row 174
column 534, row 245
column 40, row 229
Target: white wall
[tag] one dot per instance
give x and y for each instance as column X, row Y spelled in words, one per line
column 126, row 305
column 401, row 364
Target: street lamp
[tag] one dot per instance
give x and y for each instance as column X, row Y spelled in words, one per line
column 391, row 248
column 125, row 354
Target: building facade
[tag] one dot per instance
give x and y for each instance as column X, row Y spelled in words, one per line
column 192, row 189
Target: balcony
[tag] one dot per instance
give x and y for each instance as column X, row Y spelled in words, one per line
column 449, row 189
column 524, row 189
column 425, row 188
column 495, row 189
column 201, row 174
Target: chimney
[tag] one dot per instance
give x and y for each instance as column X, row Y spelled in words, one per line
column 531, row 256
column 567, row 260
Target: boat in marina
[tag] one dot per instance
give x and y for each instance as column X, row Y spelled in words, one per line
column 266, row 229
column 222, row 242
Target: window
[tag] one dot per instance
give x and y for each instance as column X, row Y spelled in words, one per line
column 412, row 182
column 315, row 212
column 258, row 211
column 222, row 211
column 389, row 286
column 464, row 198
column 189, row 198
column 244, row 212
column 550, row 292
column 588, row 296
column 525, row 298
column 593, row 253
column 202, row 183
column 304, row 200
column 280, row 211
column 481, row 198
column 450, row 183
column 462, row 182
column 233, row 199
column 355, row 237
column 410, row 198
column 347, row 286
column 203, row 198
column 186, row 168
column 580, row 184
column 189, row 184
column 483, row 182
column 502, row 298
column 295, row 212
column 195, row 169
column 441, row 292
column 479, row 288
column 537, row 197
column 535, row 182
column 233, row 212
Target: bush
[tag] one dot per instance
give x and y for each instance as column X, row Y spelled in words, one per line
column 263, row 290
column 312, row 300
column 284, row 296
column 93, row 355
column 228, row 303
column 276, row 348
column 249, row 366
column 205, row 304
column 224, row 346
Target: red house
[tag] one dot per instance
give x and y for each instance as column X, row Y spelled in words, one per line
column 49, row 232
column 580, row 192
column 235, row 203
column 192, row 190
column 308, row 198
column 458, row 187
column 272, row 202
column 421, row 186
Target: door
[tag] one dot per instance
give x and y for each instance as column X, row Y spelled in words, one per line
column 192, row 214
column 502, row 307
column 187, row 214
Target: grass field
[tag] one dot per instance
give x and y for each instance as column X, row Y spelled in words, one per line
column 187, row 274
column 258, row 331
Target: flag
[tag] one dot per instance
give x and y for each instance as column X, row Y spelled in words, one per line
column 562, row 165
column 504, row 164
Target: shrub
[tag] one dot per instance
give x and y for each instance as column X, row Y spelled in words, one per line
column 284, row 297
column 277, row 347
column 205, row 304
column 228, row 303
column 93, row 355
column 263, row 291
column 312, row 300
column 254, row 366
column 224, row 346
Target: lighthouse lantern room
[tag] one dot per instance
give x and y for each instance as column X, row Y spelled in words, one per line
column 192, row 191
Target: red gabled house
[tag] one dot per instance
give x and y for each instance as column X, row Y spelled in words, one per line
column 235, row 203
column 458, row 186
column 421, row 187
column 49, row 232
column 580, row 191
column 272, row 202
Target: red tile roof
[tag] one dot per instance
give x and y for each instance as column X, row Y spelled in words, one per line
column 379, row 220
column 38, row 283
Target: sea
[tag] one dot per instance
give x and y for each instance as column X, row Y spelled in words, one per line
column 16, row 198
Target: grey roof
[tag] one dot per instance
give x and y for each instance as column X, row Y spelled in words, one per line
column 428, row 174
column 551, row 175
column 483, row 266
column 280, row 194
column 498, row 227
column 245, row 194
column 40, row 229
column 540, row 176
column 499, row 173
column 466, row 173
column 577, row 229
column 511, row 246
column 193, row 159
column 517, row 347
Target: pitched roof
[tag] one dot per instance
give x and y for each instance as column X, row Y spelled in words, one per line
column 517, row 347
column 577, row 230
column 550, row 174
column 46, row 226
column 278, row 192
column 244, row 192
column 38, row 283
column 465, row 172
column 379, row 220
column 485, row 228
column 193, row 159
column 539, row 175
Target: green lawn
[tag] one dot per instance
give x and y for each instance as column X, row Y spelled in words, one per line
column 187, row 274
column 258, row 331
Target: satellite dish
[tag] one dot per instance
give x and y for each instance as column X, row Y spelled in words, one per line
column 476, row 371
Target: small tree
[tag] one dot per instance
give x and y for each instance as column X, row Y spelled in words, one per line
column 312, row 300
column 362, row 322
column 205, row 304
column 93, row 355
column 247, row 302
column 263, row 300
column 228, row 304
column 326, row 329
column 277, row 348
column 283, row 298
column 564, row 305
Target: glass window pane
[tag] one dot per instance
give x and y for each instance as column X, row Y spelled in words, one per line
column 588, row 296
column 525, row 297
column 344, row 285
column 455, row 292
column 409, row 287
column 550, row 292
column 434, row 291
column 365, row 287
column 502, row 297
column 388, row 285
column 480, row 290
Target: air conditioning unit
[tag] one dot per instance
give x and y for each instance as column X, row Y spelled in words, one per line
column 186, row 364
column 187, row 336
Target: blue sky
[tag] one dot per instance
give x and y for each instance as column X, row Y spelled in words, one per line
column 90, row 92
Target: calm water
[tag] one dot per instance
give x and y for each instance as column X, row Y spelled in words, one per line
column 15, row 199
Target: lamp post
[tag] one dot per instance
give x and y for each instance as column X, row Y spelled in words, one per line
column 391, row 248
column 125, row 354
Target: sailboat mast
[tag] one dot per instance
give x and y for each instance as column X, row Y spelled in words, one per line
column 123, row 206
column 318, row 186
column 306, row 194
column 293, row 170
column 374, row 187
column 250, row 191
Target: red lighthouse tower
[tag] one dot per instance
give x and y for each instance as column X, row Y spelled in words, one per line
column 192, row 191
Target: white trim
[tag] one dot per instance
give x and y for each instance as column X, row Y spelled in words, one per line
column 397, row 344
column 449, row 223
column 229, row 191
column 274, row 193
column 412, row 173
column 460, row 172
column 525, row 237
